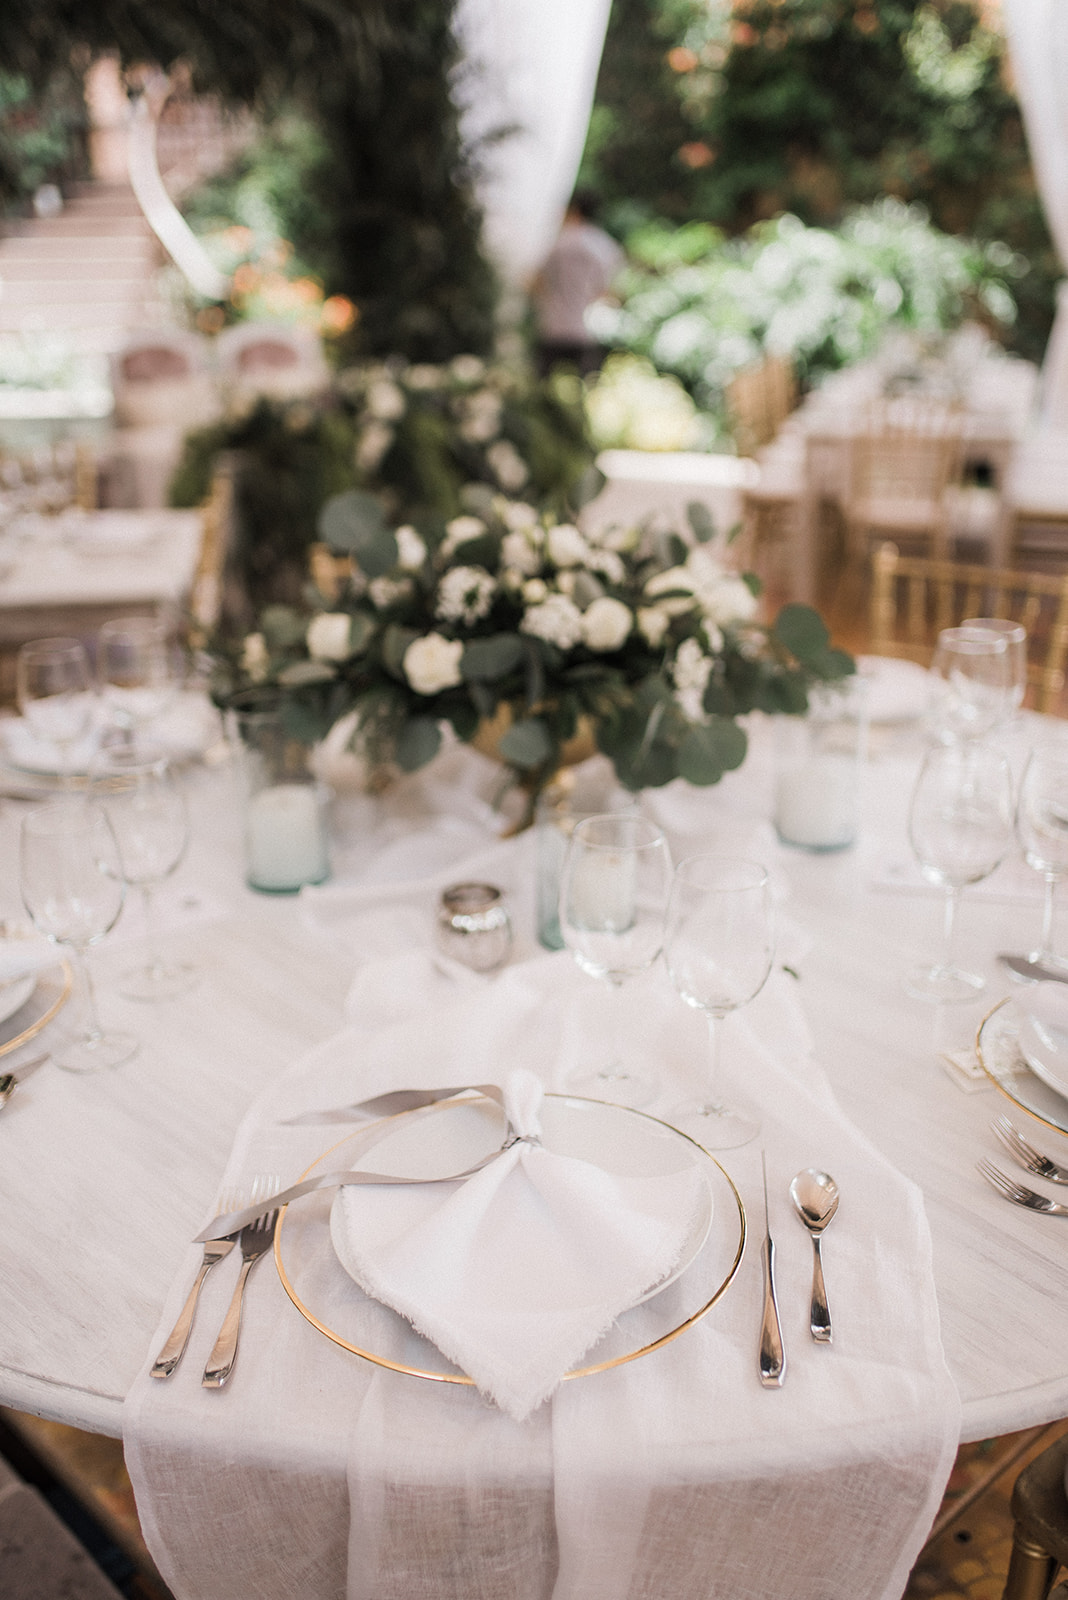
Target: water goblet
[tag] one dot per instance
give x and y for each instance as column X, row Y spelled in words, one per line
column 960, row 829
column 135, row 788
column 70, row 874
column 971, row 684
column 136, row 671
column 54, row 692
column 1015, row 637
column 613, row 894
column 1042, row 829
column 718, row 947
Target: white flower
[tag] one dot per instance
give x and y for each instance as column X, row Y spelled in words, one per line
column 606, row 624
column 723, row 596
column 459, row 531
column 374, row 441
column 410, row 548
column 608, row 564
column 565, row 582
column 567, row 547
column 465, row 594
column 666, row 582
column 713, row 637
column 481, row 417
column 511, row 578
column 467, row 369
column 385, row 591
column 385, row 400
column 517, row 551
column 424, row 376
column 432, row 663
column 556, row 619
column 518, row 516
column 535, row 591
column 691, row 671
column 653, row 622
column 254, row 658
column 329, row 636
column 507, row 464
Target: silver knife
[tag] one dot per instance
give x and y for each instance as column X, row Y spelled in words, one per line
column 772, row 1355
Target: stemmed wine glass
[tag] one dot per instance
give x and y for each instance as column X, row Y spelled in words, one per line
column 613, row 893
column 72, row 886
column 136, row 671
column 960, row 828
column 971, row 680
column 54, row 690
column 1015, row 637
column 718, row 946
column 135, row 788
column 1042, row 829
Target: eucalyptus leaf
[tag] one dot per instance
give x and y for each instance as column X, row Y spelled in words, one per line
column 418, row 742
column 700, row 520
column 395, row 642
column 354, row 524
column 709, row 750
column 362, row 632
column 527, row 743
column 282, row 627
column 492, row 658
column 801, row 630
column 299, row 674
column 586, row 488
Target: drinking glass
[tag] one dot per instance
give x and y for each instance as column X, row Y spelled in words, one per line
column 718, row 946
column 960, row 828
column 72, row 885
column 136, row 671
column 135, row 788
column 613, row 894
column 1015, row 637
column 1042, row 829
column 54, row 691
column 971, row 681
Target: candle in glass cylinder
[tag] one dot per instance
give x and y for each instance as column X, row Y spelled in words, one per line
column 284, row 838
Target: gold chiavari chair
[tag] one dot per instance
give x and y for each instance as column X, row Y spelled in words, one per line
column 759, row 399
column 902, row 463
column 913, row 598
column 1040, row 1532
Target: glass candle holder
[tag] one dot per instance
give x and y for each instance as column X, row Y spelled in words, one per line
column 284, row 805
column 473, row 926
column 818, row 759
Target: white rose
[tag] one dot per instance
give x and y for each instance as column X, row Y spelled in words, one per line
column 556, row 619
column 329, row 636
column 567, row 547
column 653, row 622
column 606, row 624
column 385, row 400
column 254, row 658
column 535, row 590
column 723, row 596
column 432, row 663
column 410, row 548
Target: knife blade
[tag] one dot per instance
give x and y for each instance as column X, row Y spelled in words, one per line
column 772, row 1354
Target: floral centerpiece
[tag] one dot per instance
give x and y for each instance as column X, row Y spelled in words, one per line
column 508, row 620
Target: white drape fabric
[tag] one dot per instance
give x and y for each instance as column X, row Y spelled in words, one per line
column 1038, row 45
column 525, row 90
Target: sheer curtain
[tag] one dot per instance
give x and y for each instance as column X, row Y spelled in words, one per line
column 525, row 89
column 1038, row 44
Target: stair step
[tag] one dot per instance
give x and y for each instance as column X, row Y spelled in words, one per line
column 67, row 269
column 28, row 248
column 46, row 293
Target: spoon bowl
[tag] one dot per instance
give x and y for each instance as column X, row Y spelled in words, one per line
column 815, row 1198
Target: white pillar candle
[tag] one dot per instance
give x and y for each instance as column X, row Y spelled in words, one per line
column 816, row 802
column 284, row 838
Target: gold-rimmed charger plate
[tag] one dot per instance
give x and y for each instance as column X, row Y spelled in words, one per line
column 50, row 994
column 332, row 1303
column 997, row 1046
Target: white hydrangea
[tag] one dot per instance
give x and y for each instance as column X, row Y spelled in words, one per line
column 557, row 619
column 606, row 624
column 517, row 551
column 255, row 661
column 329, row 636
column 432, row 663
column 653, row 621
column 387, row 591
column 385, row 400
column 411, row 550
column 518, row 516
column 507, row 465
column 567, row 547
column 465, row 594
column 375, row 439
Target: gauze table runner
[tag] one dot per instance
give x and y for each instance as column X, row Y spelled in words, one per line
column 314, row 1474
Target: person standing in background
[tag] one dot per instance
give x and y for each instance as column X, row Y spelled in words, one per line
column 577, row 271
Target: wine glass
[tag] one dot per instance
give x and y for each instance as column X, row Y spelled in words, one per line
column 971, row 683
column 72, row 885
column 136, row 671
column 613, row 893
column 718, row 946
column 1015, row 637
column 1042, row 829
column 960, row 828
column 54, row 691
column 135, row 788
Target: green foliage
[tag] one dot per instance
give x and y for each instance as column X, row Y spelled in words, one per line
column 42, row 135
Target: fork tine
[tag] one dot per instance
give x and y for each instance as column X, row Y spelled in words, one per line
column 997, row 1178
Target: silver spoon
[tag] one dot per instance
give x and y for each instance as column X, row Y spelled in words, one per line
column 815, row 1198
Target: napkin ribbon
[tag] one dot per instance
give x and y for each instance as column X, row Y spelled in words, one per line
column 383, row 1105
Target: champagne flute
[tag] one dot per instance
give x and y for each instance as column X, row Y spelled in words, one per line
column 135, row 788
column 718, row 947
column 1042, row 829
column 613, row 893
column 971, row 684
column 1015, row 637
column 136, row 671
column 960, row 829
column 54, row 691
column 70, row 873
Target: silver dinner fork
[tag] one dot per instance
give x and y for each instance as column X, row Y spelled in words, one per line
column 255, row 1240
column 1030, row 1159
column 1009, row 1189
column 214, row 1250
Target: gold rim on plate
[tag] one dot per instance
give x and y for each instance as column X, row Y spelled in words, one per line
column 579, row 1372
column 1022, row 1064
column 36, row 1027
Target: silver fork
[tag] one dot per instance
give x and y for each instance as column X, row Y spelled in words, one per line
column 255, row 1239
column 214, row 1250
column 1030, row 1159
column 1009, row 1189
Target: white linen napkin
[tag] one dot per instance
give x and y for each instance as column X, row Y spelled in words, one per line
column 517, row 1272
